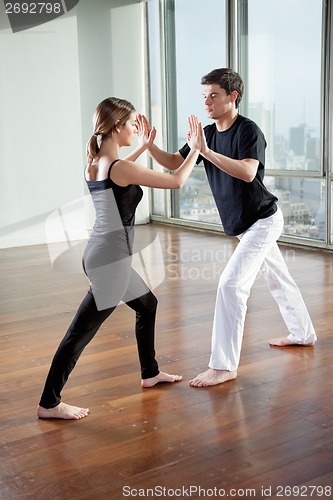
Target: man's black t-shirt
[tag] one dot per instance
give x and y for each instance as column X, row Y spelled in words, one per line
column 240, row 204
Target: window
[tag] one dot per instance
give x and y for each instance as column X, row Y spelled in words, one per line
column 200, row 47
column 284, row 97
column 194, row 45
column 281, row 48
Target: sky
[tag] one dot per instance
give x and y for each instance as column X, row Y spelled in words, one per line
column 284, row 57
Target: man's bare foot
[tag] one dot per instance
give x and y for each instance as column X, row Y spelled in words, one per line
column 212, row 377
column 64, row 411
column 161, row 377
column 284, row 342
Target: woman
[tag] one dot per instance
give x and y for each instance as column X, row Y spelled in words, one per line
column 114, row 185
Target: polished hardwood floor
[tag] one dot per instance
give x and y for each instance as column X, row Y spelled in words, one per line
column 269, row 433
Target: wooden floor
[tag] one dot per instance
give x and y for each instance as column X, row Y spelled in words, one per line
column 257, row 436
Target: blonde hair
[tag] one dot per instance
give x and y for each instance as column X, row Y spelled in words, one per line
column 109, row 113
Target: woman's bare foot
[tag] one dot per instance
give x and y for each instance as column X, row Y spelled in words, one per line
column 161, row 377
column 284, row 342
column 64, row 411
column 212, row 377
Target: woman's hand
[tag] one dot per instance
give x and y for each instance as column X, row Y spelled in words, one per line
column 146, row 135
column 195, row 133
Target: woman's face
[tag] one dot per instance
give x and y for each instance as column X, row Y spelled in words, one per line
column 127, row 131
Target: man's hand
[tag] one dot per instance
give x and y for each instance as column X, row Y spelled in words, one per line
column 204, row 148
column 194, row 134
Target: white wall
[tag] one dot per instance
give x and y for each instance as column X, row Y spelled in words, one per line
column 112, row 63
column 52, row 77
column 40, row 128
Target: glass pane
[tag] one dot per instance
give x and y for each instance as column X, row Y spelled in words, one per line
column 283, row 83
column 198, row 51
column 302, row 201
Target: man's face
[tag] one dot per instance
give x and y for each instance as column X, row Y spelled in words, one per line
column 217, row 102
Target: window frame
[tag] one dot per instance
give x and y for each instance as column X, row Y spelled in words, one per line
column 236, row 53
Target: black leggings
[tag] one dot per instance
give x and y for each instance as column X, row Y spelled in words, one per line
column 85, row 325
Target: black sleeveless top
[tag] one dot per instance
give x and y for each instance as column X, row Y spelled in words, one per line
column 115, row 205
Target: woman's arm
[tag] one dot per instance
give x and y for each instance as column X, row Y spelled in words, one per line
column 170, row 161
column 126, row 172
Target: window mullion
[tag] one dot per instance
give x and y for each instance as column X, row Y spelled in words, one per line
column 171, row 90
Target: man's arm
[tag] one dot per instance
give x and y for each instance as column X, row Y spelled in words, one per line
column 244, row 170
column 170, row 161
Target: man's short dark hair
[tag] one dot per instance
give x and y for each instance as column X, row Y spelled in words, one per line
column 227, row 79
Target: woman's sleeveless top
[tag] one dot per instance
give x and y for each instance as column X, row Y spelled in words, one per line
column 115, row 205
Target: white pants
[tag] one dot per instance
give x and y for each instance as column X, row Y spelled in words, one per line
column 256, row 251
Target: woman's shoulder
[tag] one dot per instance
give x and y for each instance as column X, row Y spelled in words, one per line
column 98, row 170
column 91, row 171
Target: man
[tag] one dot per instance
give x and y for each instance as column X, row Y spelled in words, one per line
column 233, row 153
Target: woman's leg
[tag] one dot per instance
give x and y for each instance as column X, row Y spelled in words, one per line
column 139, row 298
column 109, row 282
column 83, row 328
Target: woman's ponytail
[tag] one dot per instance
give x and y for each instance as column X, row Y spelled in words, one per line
column 92, row 149
column 107, row 114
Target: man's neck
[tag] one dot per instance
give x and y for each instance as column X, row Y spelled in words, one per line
column 225, row 122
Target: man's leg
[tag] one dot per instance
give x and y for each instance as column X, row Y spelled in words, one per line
column 231, row 301
column 290, row 301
